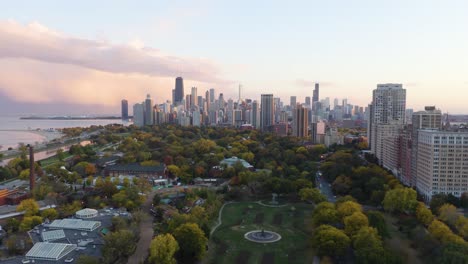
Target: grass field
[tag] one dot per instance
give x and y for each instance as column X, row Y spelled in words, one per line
column 228, row 245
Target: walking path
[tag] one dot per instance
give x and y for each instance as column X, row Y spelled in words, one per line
column 146, row 234
column 219, row 218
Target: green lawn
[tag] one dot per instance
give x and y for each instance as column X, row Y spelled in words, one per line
column 228, row 245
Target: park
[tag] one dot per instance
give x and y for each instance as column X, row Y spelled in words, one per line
column 290, row 221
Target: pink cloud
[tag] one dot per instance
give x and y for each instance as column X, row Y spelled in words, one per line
column 41, row 65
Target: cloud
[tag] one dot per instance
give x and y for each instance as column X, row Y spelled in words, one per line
column 37, row 42
column 42, row 65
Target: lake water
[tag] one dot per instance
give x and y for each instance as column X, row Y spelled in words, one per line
column 12, row 138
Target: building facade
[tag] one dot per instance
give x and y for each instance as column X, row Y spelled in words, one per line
column 267, row 114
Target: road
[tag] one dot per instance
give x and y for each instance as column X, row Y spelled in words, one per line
column 324, row 187
column 146, row 234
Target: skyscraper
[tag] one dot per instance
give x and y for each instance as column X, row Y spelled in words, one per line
column 178, row 91
column 388, row 108
column 124, row 110
column 149, row 114
column 307, row 101
column 315, row 97
column 266, row 112
column 255, row 118
column 212, row 95
column 139, row 115
column 194, row 97
column 300, row 121
column 292, row 102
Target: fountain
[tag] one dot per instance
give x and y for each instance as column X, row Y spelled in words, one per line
column 273, row 199
column 262, row 236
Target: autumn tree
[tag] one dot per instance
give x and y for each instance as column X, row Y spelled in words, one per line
column 330, row 241
column 162, row 249
column 442, row 232
column 192, row 241
column 354, row 223
column 29, row 206
column 423, row 214
column 325, row 213
column 448, row 213
column 348, row 208
column 29, row 222
column 49, row 213
column 400, row 200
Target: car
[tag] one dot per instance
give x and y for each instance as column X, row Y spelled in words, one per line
column 24, row 261
column 69, row 260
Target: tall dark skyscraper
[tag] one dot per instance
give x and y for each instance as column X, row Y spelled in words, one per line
column 315, row 97
column 267, row 112
column 124, row 109
column 179, row 90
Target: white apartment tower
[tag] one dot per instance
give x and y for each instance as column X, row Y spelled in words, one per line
column 388, row 108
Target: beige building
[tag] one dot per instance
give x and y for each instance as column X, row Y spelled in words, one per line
column 442, row 163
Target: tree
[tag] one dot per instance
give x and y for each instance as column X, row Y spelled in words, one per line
column 348, row 208
column 162, row 249
column 49, row 213
column 60, row 154
column 377, row 220
column 118, row 245
column 448, row 213
column 462, row 226
column 24, row 174
column 90, row 169
column 423, row 214
column 83, row 259
column 442, row 232
column 191, row 240
column 354, row 223
column 29, row 222
column 330, row 241
column 325, row 213
column 400, row 200
column 368, row 246
column 29, row 206
column 453, row 253
column 312, row 194
column 437, row 201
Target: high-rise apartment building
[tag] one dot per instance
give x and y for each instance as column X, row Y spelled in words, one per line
column 124, row 108
column 307, row 101
column 178, row 91
column 212, row 95
column 139, row 115
column 388, row 108
column 267, row 112
column 149, row 114
column 300, row 122
column 315, row 96
column 429, row 119
column 442, row 163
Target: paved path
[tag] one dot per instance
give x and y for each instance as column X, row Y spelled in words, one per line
column 146, row 234
column 219, row 218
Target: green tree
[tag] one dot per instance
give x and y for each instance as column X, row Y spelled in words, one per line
column 118, row 246
column 400, row 200
column 162, row 249
column 29, row 222
column 325, row 213
column 191, row 240
column 368, row 246
column 354, row 223
column 437, row 201
column 312, row 194
column 24, row 174
column 29, row 206
column 454, row 253
column 423, row 214
column 60, row 154
column 377, row 220
column 330, row 241
column 462, row 226
column 442, row 232
column 83, row 259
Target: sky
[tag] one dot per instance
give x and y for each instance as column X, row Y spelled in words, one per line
column 85, row 56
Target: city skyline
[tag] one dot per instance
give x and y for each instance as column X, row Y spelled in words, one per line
column 50, row 59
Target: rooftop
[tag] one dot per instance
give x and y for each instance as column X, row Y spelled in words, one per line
column 49, row 251
column 136, row 167
column 75, row 224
